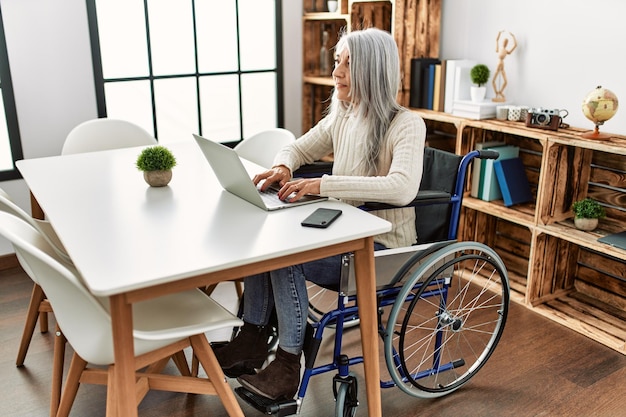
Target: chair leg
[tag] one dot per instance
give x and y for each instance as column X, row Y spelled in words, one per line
column 180, row 360
column 203, row 350
column 77, row 366
column 57, row 370
column 36, row 298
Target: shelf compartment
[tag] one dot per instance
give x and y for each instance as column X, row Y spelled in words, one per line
column 312, row 43
column 588, row 317
column 511, row 241
column 365, row 14
column 583, row 288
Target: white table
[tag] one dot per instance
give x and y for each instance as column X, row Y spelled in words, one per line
column 132, row 242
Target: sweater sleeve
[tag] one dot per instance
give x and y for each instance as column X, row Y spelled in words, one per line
column 400, row 167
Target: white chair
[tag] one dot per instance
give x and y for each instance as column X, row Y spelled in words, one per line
column 104, row 134
column 38, row 307
column 262, row 147
column 163, row 327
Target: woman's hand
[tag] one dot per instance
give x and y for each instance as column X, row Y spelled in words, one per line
column 294, row 190
column 279, row 174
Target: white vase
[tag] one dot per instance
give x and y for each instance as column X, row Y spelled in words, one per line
column 478, row 93
column 332, row 6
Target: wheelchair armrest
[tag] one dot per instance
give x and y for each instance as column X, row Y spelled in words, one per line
column 424, row 197
column 316, row 169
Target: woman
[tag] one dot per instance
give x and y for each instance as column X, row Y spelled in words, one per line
column 378, row 152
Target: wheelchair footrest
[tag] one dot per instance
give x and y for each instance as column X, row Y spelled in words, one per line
column 267, row 405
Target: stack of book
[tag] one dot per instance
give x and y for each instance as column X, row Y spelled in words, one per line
column 484, row 183
column 474, row 110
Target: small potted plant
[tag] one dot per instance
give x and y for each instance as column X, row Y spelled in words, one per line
column 156, row 162
column 586, row 214
column 479, row 75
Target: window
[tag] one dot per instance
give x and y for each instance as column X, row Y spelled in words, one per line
column 178, row 67
column 10, row 144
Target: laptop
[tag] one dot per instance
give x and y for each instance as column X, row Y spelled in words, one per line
column 617, row 239
column 234, row 178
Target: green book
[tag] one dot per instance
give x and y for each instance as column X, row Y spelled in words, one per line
column 490, row 189
column 476, row 164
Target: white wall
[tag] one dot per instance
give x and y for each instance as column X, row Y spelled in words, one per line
column 50, row 59
column 561, row 43
column 565, row 49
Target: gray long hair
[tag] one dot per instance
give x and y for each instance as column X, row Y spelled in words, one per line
column 375, row 81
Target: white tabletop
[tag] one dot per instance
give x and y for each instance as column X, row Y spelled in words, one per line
column 124, row 235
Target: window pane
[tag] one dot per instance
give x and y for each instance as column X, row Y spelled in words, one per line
column 257, row 26
column 259, row 102
column 171, row 37
column 130, row 100
column 219, row 98
column 6, row 156
column 176, row 108
column 217, row 36
column 122, row 31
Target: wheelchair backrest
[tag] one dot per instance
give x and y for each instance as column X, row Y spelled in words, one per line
column 432, row 222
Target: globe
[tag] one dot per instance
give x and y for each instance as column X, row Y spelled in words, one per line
column 599, row 106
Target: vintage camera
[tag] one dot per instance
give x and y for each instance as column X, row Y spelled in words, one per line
column 543, row 118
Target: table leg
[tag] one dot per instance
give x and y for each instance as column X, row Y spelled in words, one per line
column 123, row 347
column 366, row 299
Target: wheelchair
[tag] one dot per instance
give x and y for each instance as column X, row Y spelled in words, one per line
column 442, row 303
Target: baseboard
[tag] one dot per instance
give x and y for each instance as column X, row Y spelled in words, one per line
column 8, row 261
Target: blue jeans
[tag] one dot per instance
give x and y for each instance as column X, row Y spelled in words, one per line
column 286, row 290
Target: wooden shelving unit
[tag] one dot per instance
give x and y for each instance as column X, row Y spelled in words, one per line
column 414, row 25
column 557, row 270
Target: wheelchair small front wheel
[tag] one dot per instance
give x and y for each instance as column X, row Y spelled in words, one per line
column 346, row 397
column 447, row 320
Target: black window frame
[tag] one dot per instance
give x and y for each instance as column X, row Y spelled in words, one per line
column 10, row 110
column 100, row 81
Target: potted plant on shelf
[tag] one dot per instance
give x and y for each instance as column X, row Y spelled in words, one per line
column 479, row 75
column 156, row 162
column 586, row 214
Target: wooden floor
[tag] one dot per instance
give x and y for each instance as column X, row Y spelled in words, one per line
column 539, row 369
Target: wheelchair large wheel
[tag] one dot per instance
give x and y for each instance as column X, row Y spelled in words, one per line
column 323, row 300
column 447, row 320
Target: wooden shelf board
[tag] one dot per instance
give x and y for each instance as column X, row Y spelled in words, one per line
column 586, row 319
column 318, row 80
column 497, row 209
column 325, row 16
column 566, row 231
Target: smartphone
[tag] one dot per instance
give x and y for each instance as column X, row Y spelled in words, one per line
column 321, row 218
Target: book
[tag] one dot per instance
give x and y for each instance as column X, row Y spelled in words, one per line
column 513, row 182
column 482, row 107
column 462, row 84
column 440, row 86
column 430, row 82
column 472, row 115
column 488, row 186
column 418, row 96
column 450, row 79
column 476, row 162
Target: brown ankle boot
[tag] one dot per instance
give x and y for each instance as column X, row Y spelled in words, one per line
column 247, row 351
column 280, row 380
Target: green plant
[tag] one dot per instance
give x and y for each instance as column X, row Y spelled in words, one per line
column 588, row 209
column 156, row 158
column 479, row 74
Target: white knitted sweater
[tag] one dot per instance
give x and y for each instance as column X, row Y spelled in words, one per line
column 398, row 179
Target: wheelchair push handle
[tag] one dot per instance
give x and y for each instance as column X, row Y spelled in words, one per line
column 488, row 154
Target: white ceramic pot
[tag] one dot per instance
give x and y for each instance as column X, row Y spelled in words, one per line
column 332, row 5
column 478, row 94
